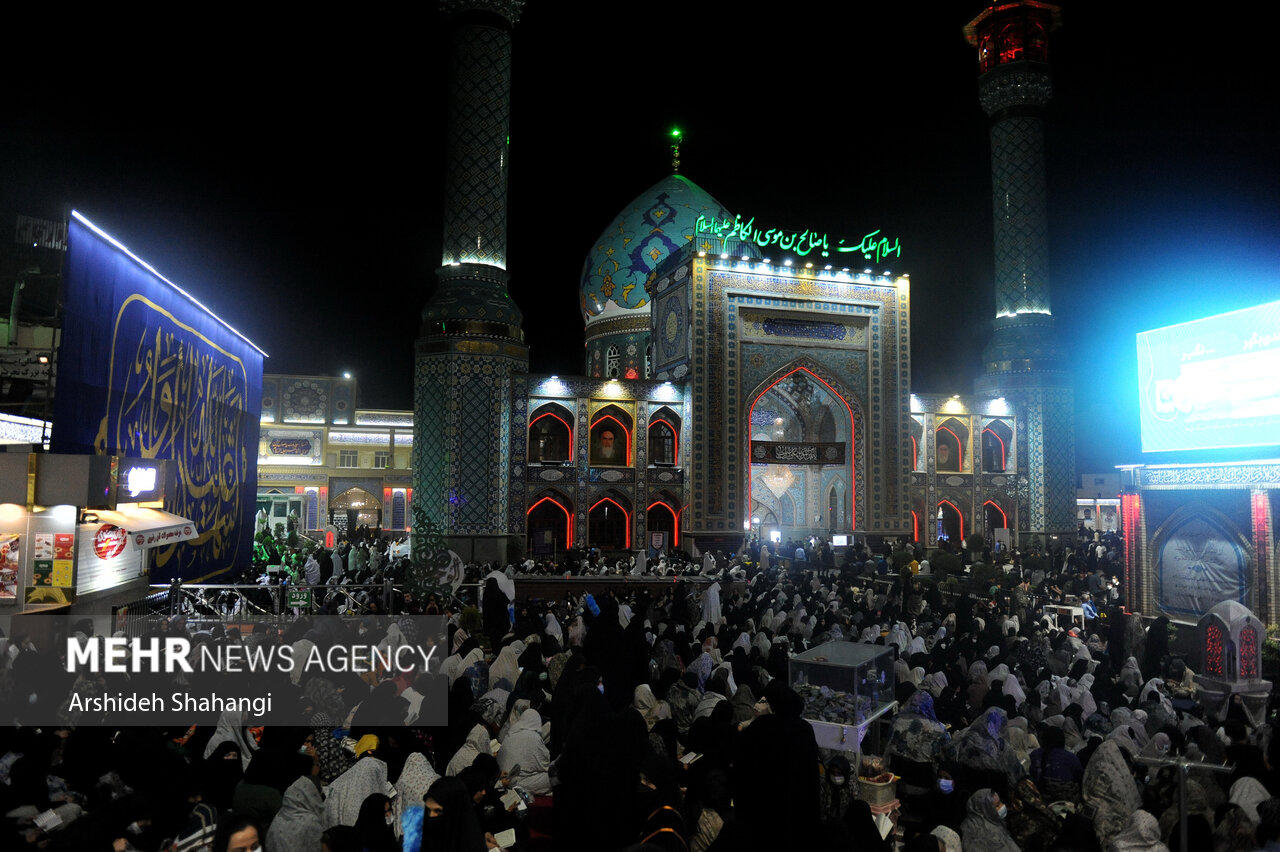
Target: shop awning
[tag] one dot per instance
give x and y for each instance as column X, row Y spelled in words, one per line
column 149, row 527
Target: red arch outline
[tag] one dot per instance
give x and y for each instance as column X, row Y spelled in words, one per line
column 915, row 526
column 603, row 417
column 956, row 508
column 1003, row 464
column 915, row 453
column 1003, row 516
column 959, row 449
column 674, row 514
column 853, row 438
column 568, row 518
column 625, row 514
column 675, row 439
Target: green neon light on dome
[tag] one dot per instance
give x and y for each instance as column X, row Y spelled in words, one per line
column 872, row 246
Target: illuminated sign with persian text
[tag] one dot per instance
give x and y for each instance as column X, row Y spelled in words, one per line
column 140, row 479
column 872, row 246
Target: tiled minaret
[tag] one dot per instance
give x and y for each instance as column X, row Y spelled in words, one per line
column 471, row 342
column 1024, row 361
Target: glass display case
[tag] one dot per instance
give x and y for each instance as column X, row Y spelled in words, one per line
column 845, row 687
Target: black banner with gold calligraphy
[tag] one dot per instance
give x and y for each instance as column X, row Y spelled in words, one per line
column 144, row 371
column 779, row 452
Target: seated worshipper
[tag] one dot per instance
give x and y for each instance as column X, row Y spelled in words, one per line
column 1235, row 830
column 416, row 777
column 376, row 825
column 838, row 787
column 1109, row 787
column 917, row 739
column 524, row 754
column 346, row 794
column 1056, row 771
column 236, row 833
column 450, row 823
column 981, row 751
column 983, row 827
column 1141, row 833
column 1031, row 823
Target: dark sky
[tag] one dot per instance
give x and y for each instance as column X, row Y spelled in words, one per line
column 288, row 171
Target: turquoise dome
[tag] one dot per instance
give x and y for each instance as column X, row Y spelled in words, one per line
column 658, row 223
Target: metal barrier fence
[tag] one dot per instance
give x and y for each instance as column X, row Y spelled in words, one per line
column 203, row 606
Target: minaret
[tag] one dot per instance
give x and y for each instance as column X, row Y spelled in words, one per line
column 471, row 342
column 1024, row 361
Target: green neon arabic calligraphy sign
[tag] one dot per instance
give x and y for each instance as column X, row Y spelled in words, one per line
column 872, row 246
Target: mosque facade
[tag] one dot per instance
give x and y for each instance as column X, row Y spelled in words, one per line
column 738, row 378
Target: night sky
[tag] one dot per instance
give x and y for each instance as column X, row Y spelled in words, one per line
column 288, row 172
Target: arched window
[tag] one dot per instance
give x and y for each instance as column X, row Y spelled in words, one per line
column 609, row 524
column 1248, row 652
column 997, row 441
column 312, row 520
column 664, row 516
column 611, row 363
column 550, row 525
column 995, row 518
column 550, row 435
column 950, row 522
column 664, row 437
column 399, row 507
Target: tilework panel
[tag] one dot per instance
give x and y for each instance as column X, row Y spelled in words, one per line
column 462, row 442
column 475, row 200
column 1021, row 225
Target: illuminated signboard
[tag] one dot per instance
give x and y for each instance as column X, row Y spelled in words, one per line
column 140, row 480
column 1211, row 383
column 872, row 246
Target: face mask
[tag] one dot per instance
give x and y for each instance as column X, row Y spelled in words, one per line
column 600, row 686
column 837, row 780
column 1002, row 811
column 304, row 750
column 946, row 785
column 134, row 828
column 391, row 819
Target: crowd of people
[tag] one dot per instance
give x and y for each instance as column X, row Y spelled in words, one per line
column 667, row 720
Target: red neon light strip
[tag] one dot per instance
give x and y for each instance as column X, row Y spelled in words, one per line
column 625, row 513
column 915, row 453
column 915, row 524
column 674, row 514
column 853, row 505
column 1003, row 516
column 568, row 527
column 1003, row 463
column 958, row 512
column 620, row 425
column 675, row 438
column 959, row 447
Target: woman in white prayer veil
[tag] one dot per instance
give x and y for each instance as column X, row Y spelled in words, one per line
column 231, row 728
column 711, row 604
column 899, row 635
column 551, row 627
